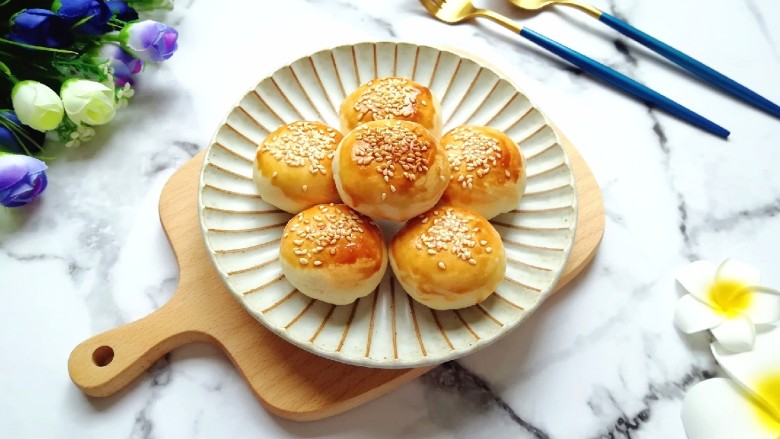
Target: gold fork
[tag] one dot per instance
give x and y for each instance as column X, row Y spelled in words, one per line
column 458, row 11
column 693, row 66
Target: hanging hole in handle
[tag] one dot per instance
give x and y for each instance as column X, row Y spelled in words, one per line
column 103, row 356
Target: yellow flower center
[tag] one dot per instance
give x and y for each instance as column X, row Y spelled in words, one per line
column 729, row 297
column 768, row 389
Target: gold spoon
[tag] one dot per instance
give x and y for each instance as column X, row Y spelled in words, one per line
column 697, row 68
column 536, row 5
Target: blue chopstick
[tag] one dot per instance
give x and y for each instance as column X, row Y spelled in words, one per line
column 624, row 83
column 697, row 68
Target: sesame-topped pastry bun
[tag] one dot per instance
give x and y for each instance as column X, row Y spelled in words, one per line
column 331, row 253
column 390, row 170
column 488, row 170
column 293, row 166
column 391, row 98
column 448, row 258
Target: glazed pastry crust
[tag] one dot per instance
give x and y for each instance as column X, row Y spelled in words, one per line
column 487, row 170
column 391, row 98
column 390, row 170
column 293, row 166
column 448, row 258
column 331, row 253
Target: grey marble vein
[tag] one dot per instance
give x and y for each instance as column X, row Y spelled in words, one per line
column 662, row 139
column 75, row 270
column 159, row 294
column 627, row 425
column 161, row 375
column 453, row 378
column 758, row 16
column 169, row 158
column 714, row 224
column 103, row 309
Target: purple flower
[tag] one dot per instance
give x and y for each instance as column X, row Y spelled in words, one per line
column 40, row 27
column 17, row 138
column 91, row 15
column 123, row 63
column 122, row 11
column 22, row 178
column 149, row 40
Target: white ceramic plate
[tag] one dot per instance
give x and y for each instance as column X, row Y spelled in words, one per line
column 385, row 329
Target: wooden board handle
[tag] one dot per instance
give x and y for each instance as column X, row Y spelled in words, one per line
column 109, row 361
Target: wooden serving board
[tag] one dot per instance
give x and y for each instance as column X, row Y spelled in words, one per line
column 288, row 381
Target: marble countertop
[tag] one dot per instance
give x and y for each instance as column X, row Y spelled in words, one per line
column 601, row 359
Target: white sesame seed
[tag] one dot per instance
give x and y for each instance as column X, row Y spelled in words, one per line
column 303, row 261
column 317, row 263
column 303, row 144
column 387, row 98
column 488, row 249
column 275, row 174
column 392, row 146
column 305, row 187
column 473, row 261
column 483, row 242
column 441, row 265
column 384, row 196
column 450, row 232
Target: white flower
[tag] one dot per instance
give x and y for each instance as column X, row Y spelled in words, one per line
column 123, row 95
column 88, row 102
column 82, row 134
column 747, row 407
column 727, row 300
column 36, row 105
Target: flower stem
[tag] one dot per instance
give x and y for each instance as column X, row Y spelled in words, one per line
column 4, row 68
column 110, row 38
column 40, row 48
column 82, row 21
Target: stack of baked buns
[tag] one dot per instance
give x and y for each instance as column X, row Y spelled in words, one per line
column 388, row 162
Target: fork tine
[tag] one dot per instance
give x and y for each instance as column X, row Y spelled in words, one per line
column 431, row 6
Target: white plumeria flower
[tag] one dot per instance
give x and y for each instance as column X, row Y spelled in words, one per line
column 747, row 407
column 727, row 300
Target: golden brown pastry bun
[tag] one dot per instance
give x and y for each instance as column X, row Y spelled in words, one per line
column 488, row 170
column 332, row 253
column 390, row 170
column 448, row 258
column 391, row 98
column 293, row 166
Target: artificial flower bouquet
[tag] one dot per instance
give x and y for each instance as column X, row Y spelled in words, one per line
column 67, row 67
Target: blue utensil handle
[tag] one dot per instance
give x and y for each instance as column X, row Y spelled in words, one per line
column 696, row 67
column 624, row 83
